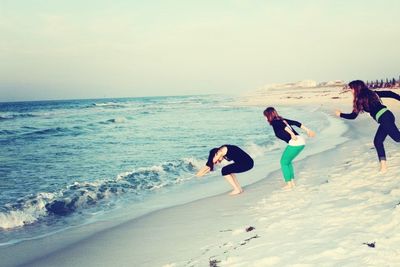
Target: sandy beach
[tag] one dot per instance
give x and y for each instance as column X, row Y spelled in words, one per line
column 343, row 212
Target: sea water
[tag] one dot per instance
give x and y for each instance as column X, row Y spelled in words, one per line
column 66, row 163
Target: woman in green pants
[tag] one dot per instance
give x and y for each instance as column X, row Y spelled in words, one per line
column 296, row 143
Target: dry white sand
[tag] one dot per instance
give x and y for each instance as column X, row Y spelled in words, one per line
column 281, row 95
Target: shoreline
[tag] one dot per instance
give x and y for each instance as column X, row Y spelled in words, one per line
column 83, row 234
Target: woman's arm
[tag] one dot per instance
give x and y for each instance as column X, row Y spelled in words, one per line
column 203, row 171
column 292, row 135
column 292, row 122
column 221, row 153
column 309, row 132
column 348, row 116
column 388, row 94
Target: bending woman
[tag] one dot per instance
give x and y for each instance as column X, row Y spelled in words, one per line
column 242, row 162
column 366, row 100
column 296, row 143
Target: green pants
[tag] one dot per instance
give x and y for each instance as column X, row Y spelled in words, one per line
column 286, row 161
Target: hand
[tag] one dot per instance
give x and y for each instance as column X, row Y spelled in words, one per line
column 310, row 133
column 337, row 113
column 294, row 137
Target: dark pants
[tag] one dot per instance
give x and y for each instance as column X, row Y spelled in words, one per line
column 386, row 127
column 238, row 167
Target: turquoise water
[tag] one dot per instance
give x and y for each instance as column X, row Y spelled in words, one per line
column 65, row 162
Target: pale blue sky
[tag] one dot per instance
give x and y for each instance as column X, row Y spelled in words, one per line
column 58, row 49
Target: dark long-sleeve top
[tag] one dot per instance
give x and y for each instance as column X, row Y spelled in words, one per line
column 375, row 108
column 279, row 128
column 236, row 154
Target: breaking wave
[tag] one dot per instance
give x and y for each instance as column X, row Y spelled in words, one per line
column 80, row 196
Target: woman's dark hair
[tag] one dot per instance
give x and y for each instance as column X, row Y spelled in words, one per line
column 364, row 98
column 271, row 114
column 211, row 155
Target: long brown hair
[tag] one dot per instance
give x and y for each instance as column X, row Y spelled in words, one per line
column 364, row 98
column 211, row 155
column 271, row 114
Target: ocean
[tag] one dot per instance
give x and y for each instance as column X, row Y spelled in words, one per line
column 72, row 162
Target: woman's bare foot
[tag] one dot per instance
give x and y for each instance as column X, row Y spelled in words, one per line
column 288, row 186
column 236, row 192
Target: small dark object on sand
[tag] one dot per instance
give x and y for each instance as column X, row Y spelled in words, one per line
column 244, row 242
column 250, row 228
column 250, row 238
column 213, row 263
column 371, row 245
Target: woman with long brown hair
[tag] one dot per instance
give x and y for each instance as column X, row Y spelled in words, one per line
column 366, row 100
column 296, row 143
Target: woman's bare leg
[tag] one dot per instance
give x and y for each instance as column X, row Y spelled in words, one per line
column 383, row 166
column 234, row 183
column 237, row 183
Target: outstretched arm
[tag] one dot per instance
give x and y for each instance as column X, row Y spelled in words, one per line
column 309, row 132
column 348, row 116
column 203, row 171
column 388, row 94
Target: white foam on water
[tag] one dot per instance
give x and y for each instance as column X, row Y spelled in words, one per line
column 30, row 213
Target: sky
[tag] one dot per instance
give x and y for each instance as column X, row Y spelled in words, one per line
column 70, row 49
